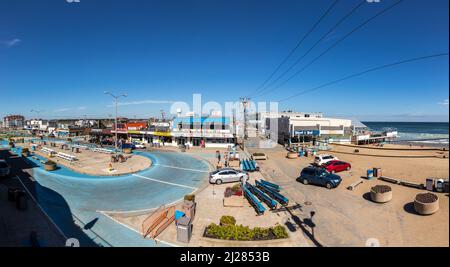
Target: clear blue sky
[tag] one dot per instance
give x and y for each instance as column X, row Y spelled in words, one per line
column 59, row 57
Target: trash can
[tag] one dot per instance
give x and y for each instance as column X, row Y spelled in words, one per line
column 21, row 200
column 12, row 194
column 184, row 229
column 370, row 174
column 189, row 209
column 377, row 172
column 440, row 185
column 429, row 184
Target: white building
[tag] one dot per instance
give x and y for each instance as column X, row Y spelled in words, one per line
column 204, row 131
column 295, row 127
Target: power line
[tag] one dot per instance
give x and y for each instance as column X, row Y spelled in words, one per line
column 362, row 73
column 338, row 42
column 353, row 10
column 297, row 45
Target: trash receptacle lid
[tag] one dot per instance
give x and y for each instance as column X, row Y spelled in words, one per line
column 184, row 221
column 179, row 214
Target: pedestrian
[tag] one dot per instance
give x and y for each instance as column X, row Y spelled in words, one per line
column 218, row 156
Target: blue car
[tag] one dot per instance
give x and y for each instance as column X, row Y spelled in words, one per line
column 319, row 176
column 128, row 145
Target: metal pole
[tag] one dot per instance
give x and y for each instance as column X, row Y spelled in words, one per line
column 116, row 105
column 116, row 125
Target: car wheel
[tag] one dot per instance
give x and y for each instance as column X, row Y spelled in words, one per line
column 348, row 168
column 329, row 185
column 219, row 182
column 305, row 181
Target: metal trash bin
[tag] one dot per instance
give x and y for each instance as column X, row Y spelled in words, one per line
column 12, row 194
column 188, row 208
column 184, row 229
column 429, row 184
column 21, row 200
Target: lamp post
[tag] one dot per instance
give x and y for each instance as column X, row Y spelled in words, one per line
column 115, row 99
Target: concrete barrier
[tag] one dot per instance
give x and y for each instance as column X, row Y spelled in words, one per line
column 426, row 208
column 292, row 155
column 381, row 196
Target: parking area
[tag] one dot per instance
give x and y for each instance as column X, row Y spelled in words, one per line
column 348, row 218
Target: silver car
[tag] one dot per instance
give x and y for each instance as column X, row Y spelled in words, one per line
column 5, row 169
column 227, row 175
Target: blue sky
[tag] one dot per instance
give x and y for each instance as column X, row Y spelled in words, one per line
column 59, row 57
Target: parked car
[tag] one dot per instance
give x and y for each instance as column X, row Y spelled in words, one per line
column 5, row 169
column 259, row 156
column 139, row 145
column 128, row 145
column 227, row 175
column 319, row 176
column 337, row 166
column 319, row 160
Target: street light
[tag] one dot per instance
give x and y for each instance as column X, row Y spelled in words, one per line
column 115, row 99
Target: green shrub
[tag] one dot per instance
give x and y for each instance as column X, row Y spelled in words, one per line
column 227, row 220
column 236, row 188
column 261, row 233
column 50, row 162
column 244, row 233
column 280, row 232
column 189, row 197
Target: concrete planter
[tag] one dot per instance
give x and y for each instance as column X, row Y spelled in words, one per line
column 50, row 167
column 426, row 207
column 292, row 155
column 233, row 201
column 381, row 195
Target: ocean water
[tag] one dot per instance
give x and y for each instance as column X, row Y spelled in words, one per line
column 420, row 132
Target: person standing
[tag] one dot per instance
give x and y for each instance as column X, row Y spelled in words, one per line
column 218, row 156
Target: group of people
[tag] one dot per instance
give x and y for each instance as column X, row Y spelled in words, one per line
column 219, row 157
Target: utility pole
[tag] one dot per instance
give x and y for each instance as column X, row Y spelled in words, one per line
column 163, row 115
column 115, row 99
column 245, row 101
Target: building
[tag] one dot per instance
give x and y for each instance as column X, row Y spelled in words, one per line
column 39, row 126
column 14, row 122
column 203, row 131
column 300, row 127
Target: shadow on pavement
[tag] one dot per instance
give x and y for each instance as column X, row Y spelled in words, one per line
column 305, row 222
column 54, row 204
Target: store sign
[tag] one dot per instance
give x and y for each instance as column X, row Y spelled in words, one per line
column 167, row 134
column 332, row 132
column 307, row 132
column 204, row 133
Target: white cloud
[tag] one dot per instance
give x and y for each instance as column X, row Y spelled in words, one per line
column 69, row 109
column 10, row 43
column 143, row 102
column 444, row 103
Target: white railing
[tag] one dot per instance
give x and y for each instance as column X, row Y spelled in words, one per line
column 103, row 150
column 48, row 150
column 66, row 156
